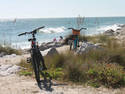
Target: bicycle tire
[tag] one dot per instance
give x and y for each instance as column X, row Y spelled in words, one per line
column 71, row 44
column 45, row 75
column 37, row 60
column 35, row 64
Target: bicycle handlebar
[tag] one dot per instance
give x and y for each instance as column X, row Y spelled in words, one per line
column 32, row 32
column 22, row 34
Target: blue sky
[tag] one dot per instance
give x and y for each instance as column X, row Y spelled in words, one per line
column 60, row 8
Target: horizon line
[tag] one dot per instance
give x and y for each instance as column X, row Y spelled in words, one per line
column 58, row 17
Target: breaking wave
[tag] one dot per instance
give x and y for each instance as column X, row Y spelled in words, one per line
column 53, row 30
column 113, row 27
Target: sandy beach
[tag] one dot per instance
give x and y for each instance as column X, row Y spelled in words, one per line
column 15, row 84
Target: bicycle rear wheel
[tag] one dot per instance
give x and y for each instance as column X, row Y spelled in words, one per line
column 70, row 42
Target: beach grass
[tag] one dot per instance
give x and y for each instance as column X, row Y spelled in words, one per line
column 94, row 39
column 9, row 50
column 26, row 68
column 96, row 68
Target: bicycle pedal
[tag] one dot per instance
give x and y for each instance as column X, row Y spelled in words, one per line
column 29, row 60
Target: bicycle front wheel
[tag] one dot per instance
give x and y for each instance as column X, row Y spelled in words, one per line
column 35, row 63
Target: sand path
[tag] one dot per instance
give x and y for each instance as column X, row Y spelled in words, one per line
column 15, row 84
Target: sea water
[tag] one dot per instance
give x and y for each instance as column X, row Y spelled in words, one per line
column 54, row 27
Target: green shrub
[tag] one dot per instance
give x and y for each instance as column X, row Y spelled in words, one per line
column 25, row 73
column 56, row 73
column 26, row 68
column 75, row 68
column 94, row 68
column 56, row 62
column 73, row 72
column 109, row 75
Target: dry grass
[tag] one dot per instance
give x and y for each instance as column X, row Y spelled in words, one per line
column 8, row 50
column 97, row 67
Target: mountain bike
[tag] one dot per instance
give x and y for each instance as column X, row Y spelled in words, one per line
column 74, row 41
column 36, row 59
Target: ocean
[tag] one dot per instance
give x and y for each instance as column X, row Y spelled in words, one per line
column 54, row 27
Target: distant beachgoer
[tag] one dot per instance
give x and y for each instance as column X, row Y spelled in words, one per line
column 54, row 40
column 61, row 39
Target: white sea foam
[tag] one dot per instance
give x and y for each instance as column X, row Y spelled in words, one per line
column 7, row 20
column 113, row 27
column 53, row 30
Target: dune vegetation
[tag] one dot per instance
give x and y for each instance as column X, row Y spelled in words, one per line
column 96, row 68
column 9, row 50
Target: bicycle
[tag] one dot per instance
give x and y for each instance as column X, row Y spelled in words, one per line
column 36, row 59
column 74, row 41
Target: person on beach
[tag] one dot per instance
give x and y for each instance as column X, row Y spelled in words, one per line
column 54, row 40
column 61, row 39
